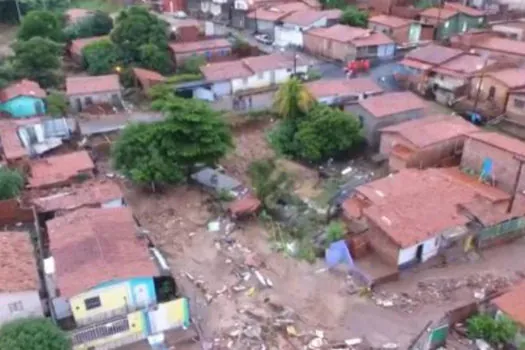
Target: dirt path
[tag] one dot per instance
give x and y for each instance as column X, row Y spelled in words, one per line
column 7, row 36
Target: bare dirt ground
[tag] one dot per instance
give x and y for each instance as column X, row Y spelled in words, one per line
column 7, row 35
column 239, row 311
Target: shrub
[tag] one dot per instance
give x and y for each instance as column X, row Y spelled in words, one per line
column 496, row 332
column 11, row 183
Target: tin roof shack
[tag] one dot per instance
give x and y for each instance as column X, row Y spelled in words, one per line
column 61, row 169
column 84, row 92
column 396, row 28
column 343, row 91
column 377, row 112
column 512, row 306
column 428, row 142
column 496, row 157
column 492, row 90
column 214, row 180
column 98, row 266
column 97, row 194
column 19, row 281
column 345, row 43
column 409, row 223
column 210, row 49
column 514, row 30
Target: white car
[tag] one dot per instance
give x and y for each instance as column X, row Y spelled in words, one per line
column 264, row 39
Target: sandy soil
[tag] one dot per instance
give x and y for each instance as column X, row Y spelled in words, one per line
column 212, row 267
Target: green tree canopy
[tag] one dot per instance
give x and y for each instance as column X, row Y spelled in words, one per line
column 101, row 57
column 326, row 132
column 293, row 100
column 165, row 152
column 33, row 334
column 56, row 104
column 496, row 332
column 50, row 5
column 98, row 24
column 38, row 59
column 192, row 65
column 155, row 58
column 11, row 183
column 352, row 16
column 7, row 73
column 135, row 27
column 44, row 24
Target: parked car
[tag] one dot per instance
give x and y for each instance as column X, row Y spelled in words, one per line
column 263, row 39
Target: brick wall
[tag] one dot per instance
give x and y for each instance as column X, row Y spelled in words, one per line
column 11, row 212
column 385, row 248
column 505, row 167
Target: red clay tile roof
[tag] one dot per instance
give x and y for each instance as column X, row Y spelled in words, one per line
column 342, row 87
column 86, row 194
column 58, row 169
column 389, row 21
column 146, row 75
column 392, row 103
column 488, row 215
column 21, row 88
column 501, row 45
column 79, row 44
column 92, row 85
column 91, row 246
column 74, row 15
column 274, row 13
column 424, row 203
column 464, row 9
column 273, row 61
column 441, row 13
column 514, row 78
column 225, row 70
column 503, row 142
column 463, row 65
column 246, row 205
column 11, row 145
column 356, row 36
column 433, row 54
column 304, row 18
column 332, row 14
column 18, row 271
column 415, row 64
column 197, row 46
column 512, row 304
column 432, row 129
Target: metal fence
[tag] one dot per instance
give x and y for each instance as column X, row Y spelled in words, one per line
column 507, row 228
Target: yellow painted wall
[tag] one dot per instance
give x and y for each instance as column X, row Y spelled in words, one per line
column 137, row 329
column 112, row 297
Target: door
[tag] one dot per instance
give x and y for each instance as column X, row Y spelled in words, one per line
column 492, row 93
column 78, row 104
column 39, row 108
column 419, row 253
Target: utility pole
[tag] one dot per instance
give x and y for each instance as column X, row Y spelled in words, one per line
column 516, row 183
column 17, row 4
column 436, row 30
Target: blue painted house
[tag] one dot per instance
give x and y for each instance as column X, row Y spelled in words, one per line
column 23, row 99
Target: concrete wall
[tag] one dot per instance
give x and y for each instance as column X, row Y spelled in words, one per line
column 515, row 109
column 209, row 55
column 27, row 303
column 430, row 156
column 500, row 91
column 382, row 244
column 372, row 125
column 505, row 167
column 409, row 254
column 399, row 35
column 510, row 31
column 265, row 79
column 328, row 48
column 78, row 102
column 222, row 88
column 288, row 34
column 11, row 213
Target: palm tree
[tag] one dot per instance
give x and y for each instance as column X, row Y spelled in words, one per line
column 293, row 99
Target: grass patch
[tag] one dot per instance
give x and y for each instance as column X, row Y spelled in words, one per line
column 101, row 5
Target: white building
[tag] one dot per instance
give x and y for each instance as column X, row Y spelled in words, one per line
column 19, row 281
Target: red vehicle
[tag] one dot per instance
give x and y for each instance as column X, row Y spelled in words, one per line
column 357, row 66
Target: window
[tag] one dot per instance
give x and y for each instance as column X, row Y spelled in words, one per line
column 89, row 101
column 492, row 92
column 92, row 303
column 260, row 75
column 519, row 103
column 16, row 307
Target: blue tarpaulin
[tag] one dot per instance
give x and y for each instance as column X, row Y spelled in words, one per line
column 486, row 170
column 338, row 253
